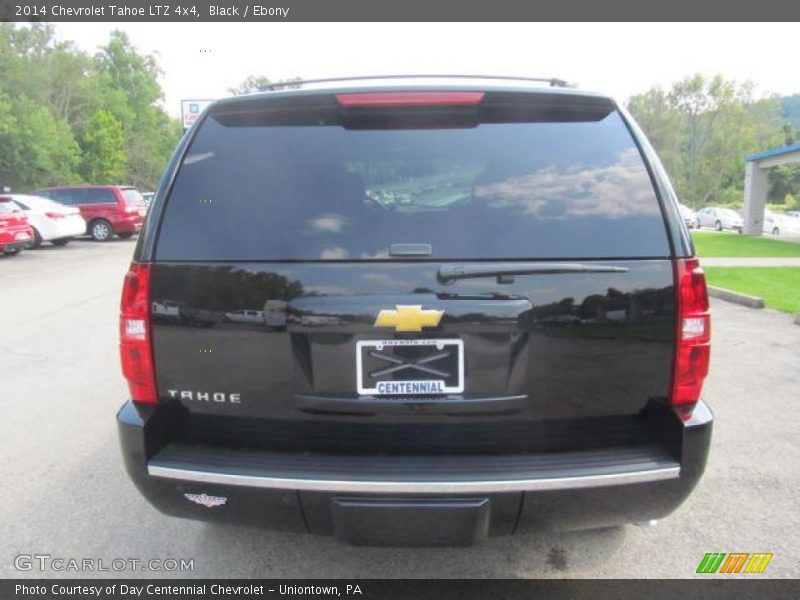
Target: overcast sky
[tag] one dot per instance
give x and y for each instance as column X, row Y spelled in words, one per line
column 203, row 60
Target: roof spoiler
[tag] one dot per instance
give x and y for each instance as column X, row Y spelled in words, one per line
column 297, row 83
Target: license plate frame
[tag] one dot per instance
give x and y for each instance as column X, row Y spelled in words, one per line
column 407, row 386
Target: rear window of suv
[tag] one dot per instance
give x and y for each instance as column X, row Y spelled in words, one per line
column 132, row 197
column 555, row 188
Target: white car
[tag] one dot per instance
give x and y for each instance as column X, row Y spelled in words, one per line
column 780, row 225
column 720, row 219
column 275, row 313
column 51, row 221
column 689, row 217
column 245, row 316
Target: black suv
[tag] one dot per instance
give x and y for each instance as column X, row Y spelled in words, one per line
column 415, row 311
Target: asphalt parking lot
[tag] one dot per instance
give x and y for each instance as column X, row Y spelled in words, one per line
column 65, row 492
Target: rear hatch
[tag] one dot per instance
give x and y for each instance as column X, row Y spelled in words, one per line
column 413, row 273
column 134, row 202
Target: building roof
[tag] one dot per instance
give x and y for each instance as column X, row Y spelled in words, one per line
column 774, row 152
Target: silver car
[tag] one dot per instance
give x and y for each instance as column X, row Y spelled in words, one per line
column 689, row 217
column 777, row 224
column 720, row 219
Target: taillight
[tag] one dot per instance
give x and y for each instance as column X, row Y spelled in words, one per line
column 55, row 215
column 134, row 335
column 396, row 99
column 693, row 335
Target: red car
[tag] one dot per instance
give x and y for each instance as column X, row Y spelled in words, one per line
column 15, row 233
column 107, row 209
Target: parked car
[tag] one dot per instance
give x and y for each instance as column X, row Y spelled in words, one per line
column 275, row 312
column 51, row 222
column 167, row 310
column 689, row 217
column 720, row 219
column 777, row 224
column 246, row 316
column 411, row 238
column 108, row 209
column 15, row 233
column 794, row 214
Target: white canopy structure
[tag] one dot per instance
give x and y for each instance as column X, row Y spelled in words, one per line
column 755, row 183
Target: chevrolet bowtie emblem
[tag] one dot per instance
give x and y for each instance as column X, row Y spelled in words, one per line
column 408, row 318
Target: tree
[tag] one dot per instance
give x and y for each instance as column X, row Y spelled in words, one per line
column 257, row 83
column 37, row 148
column 253, row 83
column 784, row 185
column 130, row 89
column 662, row 123
column 790, row 110
column 126, row 70
column 703, row 129
column 102, row 142
column 66, row 117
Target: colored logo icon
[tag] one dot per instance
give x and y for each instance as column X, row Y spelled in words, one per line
column 734, row 562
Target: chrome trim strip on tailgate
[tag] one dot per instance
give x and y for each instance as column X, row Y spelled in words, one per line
column 414, row 487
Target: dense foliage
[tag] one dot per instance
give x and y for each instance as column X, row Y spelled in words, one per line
column 790, row 109
column 704, row 128
column 67, row 117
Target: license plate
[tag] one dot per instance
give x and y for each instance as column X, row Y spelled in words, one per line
column 423, row 367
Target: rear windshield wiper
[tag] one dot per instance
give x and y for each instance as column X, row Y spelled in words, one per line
column 505, row 271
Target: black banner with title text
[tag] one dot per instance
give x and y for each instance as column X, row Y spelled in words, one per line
column 409, row 10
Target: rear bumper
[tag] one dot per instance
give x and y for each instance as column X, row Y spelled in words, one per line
column 15, row 245
column 128, row 224
column 413, row 500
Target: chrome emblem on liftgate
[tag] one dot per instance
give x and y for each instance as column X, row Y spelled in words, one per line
column 206, row 500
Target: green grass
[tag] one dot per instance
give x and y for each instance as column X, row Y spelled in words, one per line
column 709, row 243
column 778, row 286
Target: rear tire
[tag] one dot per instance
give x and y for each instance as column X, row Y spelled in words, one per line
column 61, row 242
column 717, row 226
column 12, row 251
column 125, row 236
column 37, row 239
column 100, row 230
